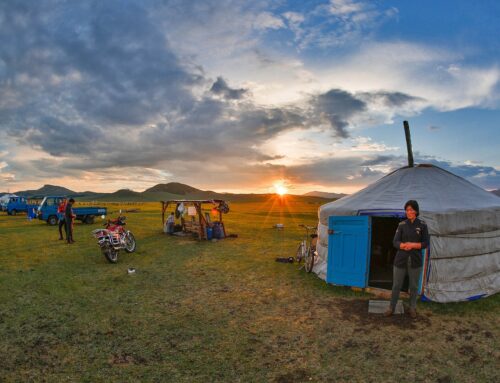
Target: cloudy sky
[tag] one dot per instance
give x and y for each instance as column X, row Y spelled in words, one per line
column 241, row 95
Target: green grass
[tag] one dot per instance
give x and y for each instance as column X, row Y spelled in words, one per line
column 216, row 312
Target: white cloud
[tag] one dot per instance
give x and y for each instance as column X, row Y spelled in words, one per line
column 345, row 7
column 294, row 18
column 366, row 144
column 266, row 20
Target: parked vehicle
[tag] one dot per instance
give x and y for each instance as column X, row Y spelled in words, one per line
column 16, row 205
column 114, row 238
column 4, row 200
column 47, row 211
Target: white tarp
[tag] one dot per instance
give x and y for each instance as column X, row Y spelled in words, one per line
column 463, row 221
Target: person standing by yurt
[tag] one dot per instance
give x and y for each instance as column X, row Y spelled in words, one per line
column 411, row 237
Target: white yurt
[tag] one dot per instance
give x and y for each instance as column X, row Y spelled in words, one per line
column 463, row 259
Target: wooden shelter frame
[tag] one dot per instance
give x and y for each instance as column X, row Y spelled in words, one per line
column 202, row 223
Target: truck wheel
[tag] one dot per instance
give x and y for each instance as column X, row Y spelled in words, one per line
column 13, row 212
column 89, row 219
column 52, row 220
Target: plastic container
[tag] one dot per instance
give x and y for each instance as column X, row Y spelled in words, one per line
column 209, row 233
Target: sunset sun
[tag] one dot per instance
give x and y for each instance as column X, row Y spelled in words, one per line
column 280, row 189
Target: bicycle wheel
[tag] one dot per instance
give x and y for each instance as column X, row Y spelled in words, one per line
column 301, row 251
column 309, row 260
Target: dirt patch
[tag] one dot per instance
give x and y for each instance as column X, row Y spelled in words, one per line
column 444, row 379
column 350, row 344
column 125, row 359
column 292, row 377
column 469, row 352
column 356, row 310
column 488, row 335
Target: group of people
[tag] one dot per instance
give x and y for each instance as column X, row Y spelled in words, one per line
column 66, row 218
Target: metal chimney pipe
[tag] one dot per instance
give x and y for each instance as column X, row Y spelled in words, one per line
column 408, row 143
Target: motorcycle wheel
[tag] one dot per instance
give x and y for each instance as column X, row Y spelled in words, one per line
column 130, row 244
column 110, row 253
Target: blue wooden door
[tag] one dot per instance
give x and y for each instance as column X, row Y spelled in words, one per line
column 349, row 250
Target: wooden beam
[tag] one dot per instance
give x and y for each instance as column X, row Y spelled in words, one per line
column 201, row 230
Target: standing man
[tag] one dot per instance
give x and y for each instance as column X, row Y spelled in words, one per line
column 411, row 237
column 61, row 212
column 69, row 216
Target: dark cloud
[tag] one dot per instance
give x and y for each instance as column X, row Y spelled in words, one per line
column 390, row 99
column 346, row 171
column 221, row 88
column 58, row 138
column 335, row 108
column 380, row 160
column 94, row 61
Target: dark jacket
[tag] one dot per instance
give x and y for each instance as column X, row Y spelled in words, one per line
column 410, row 232
column 68, row 213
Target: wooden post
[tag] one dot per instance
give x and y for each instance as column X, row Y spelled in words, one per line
column 163, row 213
column 201, row 231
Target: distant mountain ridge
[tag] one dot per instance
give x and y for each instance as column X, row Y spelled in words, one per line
column 325, row 195
column 47, row 190
column 173, row 188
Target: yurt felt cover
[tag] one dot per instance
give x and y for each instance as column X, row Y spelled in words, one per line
column 463, row 221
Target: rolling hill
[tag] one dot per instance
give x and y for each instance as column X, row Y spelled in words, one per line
column 173, row 188
column 47, row 190
column 325, row 195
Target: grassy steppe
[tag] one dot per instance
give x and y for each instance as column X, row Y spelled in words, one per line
column 216, row 312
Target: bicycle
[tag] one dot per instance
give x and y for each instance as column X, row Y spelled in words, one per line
column 307, row 248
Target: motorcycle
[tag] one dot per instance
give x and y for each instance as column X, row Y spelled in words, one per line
column 114, row 238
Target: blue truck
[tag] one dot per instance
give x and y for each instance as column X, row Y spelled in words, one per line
column 16, row 205
column 47, row 211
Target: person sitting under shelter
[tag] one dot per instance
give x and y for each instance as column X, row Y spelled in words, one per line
column 169, row 225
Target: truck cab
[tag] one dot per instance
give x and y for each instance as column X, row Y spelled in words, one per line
column 47, row 210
